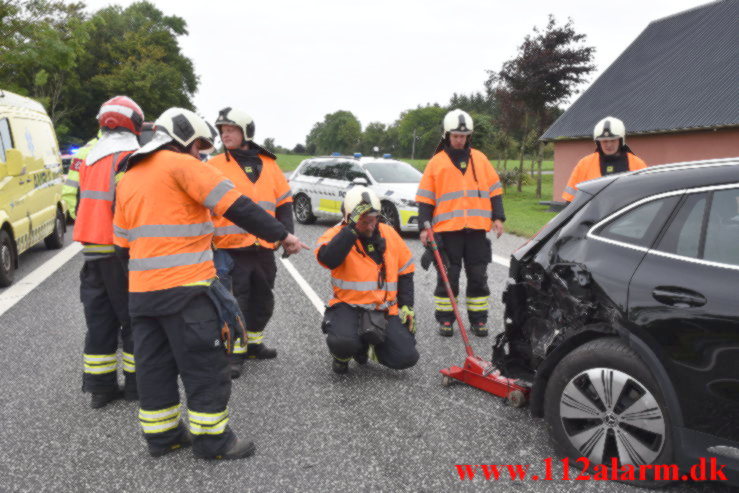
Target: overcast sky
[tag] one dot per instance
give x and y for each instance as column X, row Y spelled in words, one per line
column 290, row 62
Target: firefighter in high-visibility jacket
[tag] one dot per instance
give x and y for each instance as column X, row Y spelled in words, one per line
column 163, row 232
column 244, row 261
column 371, row 313
column 611, row 155
column 460, row 195
column 71, row 186
column 103, row 282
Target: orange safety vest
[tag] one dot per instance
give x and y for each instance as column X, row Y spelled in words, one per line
column 588, row 168
column 94, row 222
column 460, row 200
column 162, row 216
column 270, row 191
column 358, row 280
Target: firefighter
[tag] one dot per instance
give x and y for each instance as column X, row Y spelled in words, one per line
column 247, row 261
column 163, row 231
column 103, row 283
column 460, row 195
column 371, row 313
column 611, row 155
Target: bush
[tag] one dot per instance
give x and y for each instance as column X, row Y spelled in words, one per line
column 511, row 177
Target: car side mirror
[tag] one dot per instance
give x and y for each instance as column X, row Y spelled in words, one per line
column 14, row 160
column 360, row 180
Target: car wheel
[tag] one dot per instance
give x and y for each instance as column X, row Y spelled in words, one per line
column 56, row 239
column 7, row 260
column 303, row 210
column 602, row 402
column 391, row 215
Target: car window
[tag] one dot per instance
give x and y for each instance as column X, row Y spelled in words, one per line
column 310, row 169
column 6, row 140
column 683, row 235
column 640, row 225
column 356, row 172
column 393, row 172
column 722, row 231
column 327, row 169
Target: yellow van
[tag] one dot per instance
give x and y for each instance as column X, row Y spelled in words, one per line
column 31, row 205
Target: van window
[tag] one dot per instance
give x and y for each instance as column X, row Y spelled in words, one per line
column 6, row 139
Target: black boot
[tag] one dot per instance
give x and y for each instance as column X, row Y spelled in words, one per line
column 183, row 441
column 340, row 367
column 240, row 449
column 260, row 351
column 479, row 329
column 446, row 329
column 101, row 399
column 236, row 365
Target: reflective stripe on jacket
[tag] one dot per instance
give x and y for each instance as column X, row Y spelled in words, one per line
column 588, row 168
column 162, row 216
column 358, row 280
column 270, row 191
column 94, row 222
column 460, row 200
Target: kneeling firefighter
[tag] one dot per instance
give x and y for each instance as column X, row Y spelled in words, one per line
column 163, row 231
column 372, row 276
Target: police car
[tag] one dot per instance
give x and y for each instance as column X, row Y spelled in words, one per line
column 319, row 185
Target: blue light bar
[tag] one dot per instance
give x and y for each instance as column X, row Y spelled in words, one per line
column 357, row 154
column 387, row 156
column 336, row 154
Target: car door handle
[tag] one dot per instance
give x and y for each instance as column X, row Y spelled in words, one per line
column 680, row 297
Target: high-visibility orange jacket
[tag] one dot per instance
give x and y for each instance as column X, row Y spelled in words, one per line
column 358, row 281
column 162, row 216
column 270, row 191
column 94, row 223
column 460, row 200
column 588, row 168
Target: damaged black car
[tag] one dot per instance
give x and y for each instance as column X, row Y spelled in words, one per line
column 623, row 312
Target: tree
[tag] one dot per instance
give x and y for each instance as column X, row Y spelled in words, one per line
column 477, row 102
column 338, row 132
column 419, row 131
column 375, row 135
column 299, row 149
column 547, row 70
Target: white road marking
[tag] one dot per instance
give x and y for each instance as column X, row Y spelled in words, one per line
column 307, row 289
column 501, row 260
column 21, row 288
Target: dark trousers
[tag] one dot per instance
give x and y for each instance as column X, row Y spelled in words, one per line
column 104, row 296
column 341, row 326
column 471, row 248
column 253, row 279
column 187, row 343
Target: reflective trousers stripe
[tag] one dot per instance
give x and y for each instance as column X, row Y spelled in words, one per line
column 160, row 420
column 443, row 304
column 255, row 337
column 479, row 304
column 98, row 364
column 129, row 364
column 239, row 348
column 207, row 423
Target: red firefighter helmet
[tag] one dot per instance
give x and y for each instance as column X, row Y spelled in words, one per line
column 121, row 111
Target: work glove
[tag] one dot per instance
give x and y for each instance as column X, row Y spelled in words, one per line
column 408, row 318
column 355, row 214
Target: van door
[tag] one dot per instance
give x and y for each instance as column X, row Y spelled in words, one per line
column 14, row 192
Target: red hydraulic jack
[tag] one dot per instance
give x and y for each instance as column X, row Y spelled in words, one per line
column 476, row 371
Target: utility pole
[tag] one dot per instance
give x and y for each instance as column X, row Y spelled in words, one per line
column 413, row 145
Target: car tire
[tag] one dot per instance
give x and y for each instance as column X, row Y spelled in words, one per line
column 303, row 209
column 56, row 239
column 390, row 213
column 7, row 259
column 602, row 401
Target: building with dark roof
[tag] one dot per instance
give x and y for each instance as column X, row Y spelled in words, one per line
column 676, row 88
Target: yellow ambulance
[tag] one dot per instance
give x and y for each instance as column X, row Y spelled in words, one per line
column 31, row 205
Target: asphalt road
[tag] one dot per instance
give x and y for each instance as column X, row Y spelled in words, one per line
column 374, row 429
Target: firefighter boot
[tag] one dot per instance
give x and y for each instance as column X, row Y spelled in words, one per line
column 479, row 329
column 236, row 365
column 260, row 351
column 240, row 449
column 446, row 329
column 100, row 399
column 340, row 367
column 183, row 441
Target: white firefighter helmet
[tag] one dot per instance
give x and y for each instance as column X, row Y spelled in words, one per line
column 237, row 118
column 458, row 121
column 185, row 127
column 358, row 194
column 610, row 128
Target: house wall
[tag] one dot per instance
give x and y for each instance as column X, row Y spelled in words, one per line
column 653, row 149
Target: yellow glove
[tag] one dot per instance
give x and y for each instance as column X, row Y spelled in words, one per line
column 408, row 318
